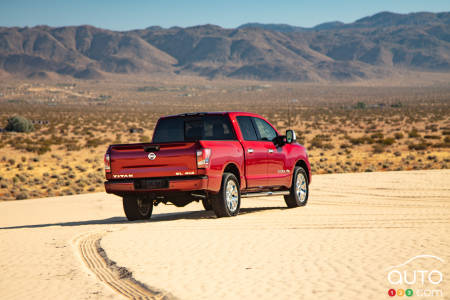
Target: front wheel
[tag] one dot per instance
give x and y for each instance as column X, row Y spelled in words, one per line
column 299, row 189
column 207, row 204
column 228, row 201
column 137, row 208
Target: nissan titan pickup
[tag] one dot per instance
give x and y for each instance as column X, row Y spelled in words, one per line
column 216, row 158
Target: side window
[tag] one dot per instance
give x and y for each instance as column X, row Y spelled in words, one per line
column 218, row 128
column 247, row 129
column 266, row 132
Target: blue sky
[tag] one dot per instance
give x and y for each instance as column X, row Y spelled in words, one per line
column 135, row 14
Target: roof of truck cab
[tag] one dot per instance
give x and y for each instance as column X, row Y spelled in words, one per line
column 231, row 113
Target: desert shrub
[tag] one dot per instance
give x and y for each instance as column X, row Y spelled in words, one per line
column 378, row 148
column 356, row 141
column 72, row 146
column 39, row 149
column 419, row 146
column 318, row 142
column 21, row 196
column 118, row 139
column 388, row 141
column 95, row 142
column 19, row 124
column 432, row 127
column 328, row 146
column 398, row 135
column 144, row 139
column 432, row 137
column 414, row 133
column 360, row 105
column 81, row 168
column 377, row 135
column 361, row 140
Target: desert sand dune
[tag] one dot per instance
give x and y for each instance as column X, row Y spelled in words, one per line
column 339, row 246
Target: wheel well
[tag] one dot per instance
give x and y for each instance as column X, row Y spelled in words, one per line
column 232, row 168
column 302, row 164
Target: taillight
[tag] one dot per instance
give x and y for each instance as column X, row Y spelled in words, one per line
column 107, row 163
column 203, row 158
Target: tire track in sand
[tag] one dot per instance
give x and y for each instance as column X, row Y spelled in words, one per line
column 107, row 271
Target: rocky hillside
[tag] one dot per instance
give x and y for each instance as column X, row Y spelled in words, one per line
column 371, row 47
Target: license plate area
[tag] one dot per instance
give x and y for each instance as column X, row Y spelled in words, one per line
column 151, row 184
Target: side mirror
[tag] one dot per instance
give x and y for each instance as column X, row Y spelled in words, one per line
column 290, row 136
column 279, row 141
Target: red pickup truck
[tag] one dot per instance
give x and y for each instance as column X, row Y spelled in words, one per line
column 216, row 158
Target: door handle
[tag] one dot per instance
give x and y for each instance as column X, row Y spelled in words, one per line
column 270, row 150
column 250, row 150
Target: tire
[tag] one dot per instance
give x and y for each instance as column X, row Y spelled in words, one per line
column 207, row 204
column 299, row 189
column 228, row 201
column 137, row 208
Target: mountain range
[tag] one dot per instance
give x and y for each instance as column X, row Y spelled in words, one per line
column 371, row 47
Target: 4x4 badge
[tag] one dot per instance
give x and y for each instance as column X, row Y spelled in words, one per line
column 151, row 156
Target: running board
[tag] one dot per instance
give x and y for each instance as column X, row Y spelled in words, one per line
column 259, row 194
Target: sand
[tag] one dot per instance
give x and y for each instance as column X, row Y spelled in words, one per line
column 339, row 246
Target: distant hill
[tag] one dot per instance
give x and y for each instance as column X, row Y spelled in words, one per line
column 274, row 27
column 370, row 47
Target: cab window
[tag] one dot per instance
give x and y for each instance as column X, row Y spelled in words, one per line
column 247, row 129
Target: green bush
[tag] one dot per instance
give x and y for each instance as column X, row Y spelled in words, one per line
column 19, row 124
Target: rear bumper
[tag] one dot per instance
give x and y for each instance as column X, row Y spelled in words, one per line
column 174, row 184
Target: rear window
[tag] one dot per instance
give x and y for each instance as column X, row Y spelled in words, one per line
column 193, row 128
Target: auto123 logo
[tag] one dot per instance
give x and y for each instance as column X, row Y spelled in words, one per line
column 411, row 278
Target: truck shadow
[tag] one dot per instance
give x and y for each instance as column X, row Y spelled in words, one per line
column 198, row 215
column 191, row 215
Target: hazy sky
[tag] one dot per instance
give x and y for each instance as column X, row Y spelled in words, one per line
column 134, row 14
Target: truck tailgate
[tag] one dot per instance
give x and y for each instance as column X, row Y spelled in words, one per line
column 151, row 160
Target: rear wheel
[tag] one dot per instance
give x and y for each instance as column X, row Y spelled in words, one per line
column 228, row 201
column 137, row 208
column 299, row 189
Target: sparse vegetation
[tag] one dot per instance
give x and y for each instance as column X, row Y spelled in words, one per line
column 64, row 154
